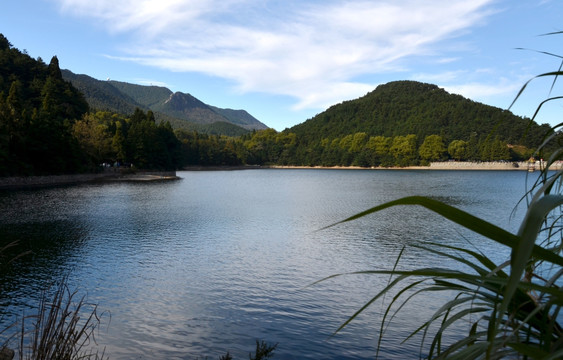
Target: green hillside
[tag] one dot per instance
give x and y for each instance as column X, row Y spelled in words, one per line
column 401, row 123
column 216, row 128
column 102, row 95
column 409, row 107
column 183, row 111
column 148, row 96
column 186, row 107
column 240, row 118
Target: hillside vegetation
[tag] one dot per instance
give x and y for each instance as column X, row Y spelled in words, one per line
column 183, row 111
column 410, row 107
column 37, row 111
column 48, row 127
column 408, row 122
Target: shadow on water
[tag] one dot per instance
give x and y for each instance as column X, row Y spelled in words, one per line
column 43, row 252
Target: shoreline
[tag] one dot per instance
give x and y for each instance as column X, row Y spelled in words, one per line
column 31, row 182
column 145, row 176
column 34, row 182
column 444, row 165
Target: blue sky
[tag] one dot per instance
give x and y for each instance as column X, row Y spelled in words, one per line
column 285, row 61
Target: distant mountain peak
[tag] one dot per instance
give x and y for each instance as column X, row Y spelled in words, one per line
column 182, row 101
column 183, row 110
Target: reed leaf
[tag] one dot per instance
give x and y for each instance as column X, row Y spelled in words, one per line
column 522, row 253
column 552, row 73
column 512, row 308
column 462, row 218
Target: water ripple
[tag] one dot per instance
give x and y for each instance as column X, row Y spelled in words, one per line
column 211, row 263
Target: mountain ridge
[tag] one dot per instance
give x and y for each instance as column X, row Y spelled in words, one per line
column 182, row 110
column 410, row 107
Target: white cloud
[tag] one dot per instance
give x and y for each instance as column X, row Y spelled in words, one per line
column 479, row 91
column 313, row 51
column 480, row 84
column 333, row 93
column 149, row 82
column 147, row 16
column 441, row 78
column 448, row 60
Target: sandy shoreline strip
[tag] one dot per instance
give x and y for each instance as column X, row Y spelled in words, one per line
column 445, row 165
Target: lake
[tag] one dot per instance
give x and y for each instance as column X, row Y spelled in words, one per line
column 212, row 262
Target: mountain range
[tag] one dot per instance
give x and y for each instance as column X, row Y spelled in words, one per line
column 182, row 110
column 395, row 108
column 54, row 121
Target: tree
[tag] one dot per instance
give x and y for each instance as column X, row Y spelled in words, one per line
column 170, row 155
column 346, row 142
column 458, row 150
column 494, row 150
column 358, row 142
column 4, row 137
column 432, row 149
column 54, row 69
column 95, row 137
column 141, row 140
column 403, row 149
column 37, row 109
column 378, row 148
column 499, row 150
column 288, row 141
column 262, row 147
column 15, row 100
column 118, row 142
column 4, row 43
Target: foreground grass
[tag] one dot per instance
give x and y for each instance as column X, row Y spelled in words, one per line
column 62, row 328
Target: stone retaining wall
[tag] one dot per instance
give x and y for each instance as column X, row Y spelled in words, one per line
column 467, row 165
column 493, row 165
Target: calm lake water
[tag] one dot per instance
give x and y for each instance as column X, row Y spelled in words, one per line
column 214, row 261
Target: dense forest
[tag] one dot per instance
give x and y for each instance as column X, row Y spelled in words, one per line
column 48, row 127
column 406, row 122
column 37, row 111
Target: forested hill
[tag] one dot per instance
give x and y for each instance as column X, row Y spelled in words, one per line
column 47, row 127
column 182, row 110
column 409, row 107
column 37, row 111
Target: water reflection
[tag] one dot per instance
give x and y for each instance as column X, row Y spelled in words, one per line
column 210, row 263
